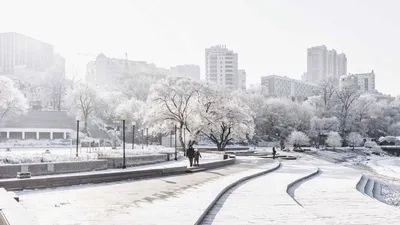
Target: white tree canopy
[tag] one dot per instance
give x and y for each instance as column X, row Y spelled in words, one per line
column 334, row 139
column 12, row 101
column 355, row 139
column 83, row 101
column 298, row 138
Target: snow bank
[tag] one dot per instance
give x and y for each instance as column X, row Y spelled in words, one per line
column 18, row 158
column 36, row 143
column 150, row 150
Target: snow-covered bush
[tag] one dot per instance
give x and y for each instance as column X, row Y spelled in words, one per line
column 370, row 144
column 298, row 138
column 12, row 101
column 150, row 150
column 355, row 139
column 18, row 158
column 334, row 140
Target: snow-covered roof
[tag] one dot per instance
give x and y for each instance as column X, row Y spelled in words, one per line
column 42, row 119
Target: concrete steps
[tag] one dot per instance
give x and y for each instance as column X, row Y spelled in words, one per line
column 370, row 187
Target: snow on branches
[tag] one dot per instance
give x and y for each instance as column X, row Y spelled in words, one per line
column 12, row 101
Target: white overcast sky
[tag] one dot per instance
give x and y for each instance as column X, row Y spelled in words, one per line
column 271, row 36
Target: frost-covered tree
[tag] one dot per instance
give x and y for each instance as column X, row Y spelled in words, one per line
column 355, row 139
column 322, row 126
column 12, row 101
column 298, row 138
column 363, row 110
column 347, row 98
column 136, row 85
column 172, row 101
column 326, row 96
column 108, row 102
column 334, row 140
column 224, row 118
column 394, row 129
column 83, row 100
column 132, row 110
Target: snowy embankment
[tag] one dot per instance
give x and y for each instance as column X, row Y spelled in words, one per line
column 35, row 143
column 385, row 168
column 85, row 154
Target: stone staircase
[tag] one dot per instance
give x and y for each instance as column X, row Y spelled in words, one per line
column 370, row 187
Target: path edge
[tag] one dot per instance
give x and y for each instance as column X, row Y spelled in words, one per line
column 289, row 186
column 230, row 186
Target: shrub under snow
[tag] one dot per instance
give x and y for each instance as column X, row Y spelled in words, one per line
column 18, row 158
column 298, row 138
column 151, row 149
column 334, row 140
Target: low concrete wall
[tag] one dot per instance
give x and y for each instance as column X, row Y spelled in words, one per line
column 38, row 169
column 216, row 164
column 139, row 160
column 52, row 182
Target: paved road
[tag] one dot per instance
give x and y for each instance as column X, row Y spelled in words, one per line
column 168, row 200
column 264, row 200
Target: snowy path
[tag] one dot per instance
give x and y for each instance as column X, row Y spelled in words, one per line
column 333, row 196
column 264, row 200
column 169, row 200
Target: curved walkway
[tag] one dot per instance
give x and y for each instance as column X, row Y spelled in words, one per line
column 333, row 196
column 264, row 200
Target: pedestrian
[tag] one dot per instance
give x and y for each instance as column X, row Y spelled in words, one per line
column 197, row 155
column 190, row 155
column 273, row 152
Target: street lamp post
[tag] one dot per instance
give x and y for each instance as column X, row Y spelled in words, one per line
column 147, row 137
column 77, row 135
column 133, row 134
column 176, row 150
column 123, row 143
column 142, row 137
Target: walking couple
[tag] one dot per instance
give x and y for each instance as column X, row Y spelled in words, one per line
column 193, row 154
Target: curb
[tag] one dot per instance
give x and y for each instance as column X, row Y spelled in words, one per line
column 230, row 186
column 289, row 186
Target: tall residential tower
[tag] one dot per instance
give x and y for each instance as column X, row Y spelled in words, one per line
column 323, row 64
column 222, row 67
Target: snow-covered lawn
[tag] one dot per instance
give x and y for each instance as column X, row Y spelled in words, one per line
column 151, row 149
column 35, row 143
column 17, row 157
column 38, row 155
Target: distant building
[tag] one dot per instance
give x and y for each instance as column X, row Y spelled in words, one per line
column 19, row 51
column 242, row 79
column 323, row 64
column 39, row 125
column 364, row 82
column 188, row 71
column 222, row 67
column 107, row 71
column 279, row 86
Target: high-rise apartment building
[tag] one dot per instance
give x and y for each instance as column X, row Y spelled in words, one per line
column 323, row 64
column 222, row 67
column 279, row 86
column 242, row 79
column 18, row 51
column 188, row 71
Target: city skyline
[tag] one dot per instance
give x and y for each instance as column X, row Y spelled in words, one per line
column 143, row 30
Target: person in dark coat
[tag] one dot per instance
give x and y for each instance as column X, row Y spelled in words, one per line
column 273, row 152
column 190, row 155
column 197, row 155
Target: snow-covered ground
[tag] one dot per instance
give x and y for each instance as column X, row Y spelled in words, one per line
column 37, row 155
column 384, row 168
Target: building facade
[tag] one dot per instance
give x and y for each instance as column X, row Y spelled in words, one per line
column 323, row 64
column 278, row 86
column 222, row 67
column 188, row 71
column 365, row 82
column 19, row 51
column 242, row 77
column 107, row 71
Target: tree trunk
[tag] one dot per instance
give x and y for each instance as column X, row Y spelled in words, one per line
column 219, row 147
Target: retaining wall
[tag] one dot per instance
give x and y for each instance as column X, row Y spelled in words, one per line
column 11, row 213
column 139, row 160
column 38, row 169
